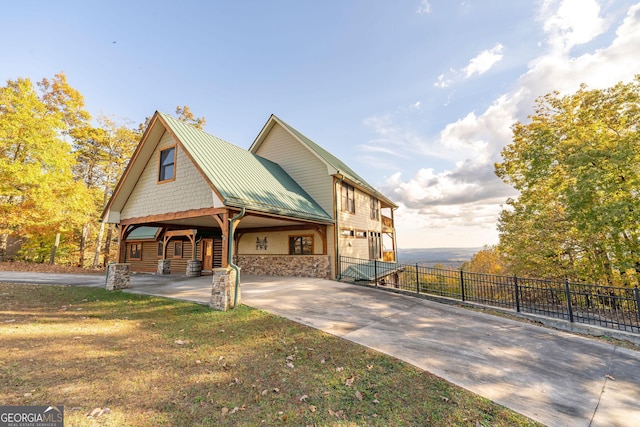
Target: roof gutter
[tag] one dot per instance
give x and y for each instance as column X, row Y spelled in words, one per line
column 232, row 222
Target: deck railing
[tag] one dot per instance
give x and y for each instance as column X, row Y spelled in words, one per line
column 606, row 306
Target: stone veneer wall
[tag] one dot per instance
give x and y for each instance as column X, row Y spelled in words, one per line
column 286, row 265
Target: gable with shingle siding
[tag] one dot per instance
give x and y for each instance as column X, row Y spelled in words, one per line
column 188, row 191
column 301, row 164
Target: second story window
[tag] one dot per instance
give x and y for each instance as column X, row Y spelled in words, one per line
column 348, row 198
column 375, row 208
column 167, row 164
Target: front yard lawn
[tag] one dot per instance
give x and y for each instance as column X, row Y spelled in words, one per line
column 154, row 362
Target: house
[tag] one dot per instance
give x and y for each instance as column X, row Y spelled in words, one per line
column 190, row 202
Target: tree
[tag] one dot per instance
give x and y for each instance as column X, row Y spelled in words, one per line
column 577, row 167
column 116, row 145
column 185, row 115
column 38, row 194
column 488, row 261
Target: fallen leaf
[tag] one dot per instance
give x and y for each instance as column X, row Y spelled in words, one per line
column 180, row 342
column 339, row 369
column 264, row 392
column 358, row 395
column 312, row 408
column 290, row 365
column 349, row 381
column 95, row 413
column 290, row 358
column 234, row 410
column 609, row 377
column 303, row 398
column 225, row 410
column 369, row 367
column 444, row 399
column 276, row 390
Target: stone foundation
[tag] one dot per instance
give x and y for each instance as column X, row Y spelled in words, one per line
column 223, row 289
column 117, row 277
column 286, row 265
column 194, row 268
column 164, row 266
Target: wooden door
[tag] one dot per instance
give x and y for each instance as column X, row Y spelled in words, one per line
column 207, row 254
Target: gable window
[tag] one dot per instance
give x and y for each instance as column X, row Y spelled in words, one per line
column 177, row 249
column 135, row 251
column 167, row 164
column 348, row 198
column 300, row 245
column 375, row 208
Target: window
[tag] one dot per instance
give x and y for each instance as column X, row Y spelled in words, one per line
column 346, row 232
column 348, row 198
column 375, row 208
column 300, row 245
column 135, row 251
column 375, row 246
column 160, row 249
column 177, row 249
column 361, row 234
column 167, row 164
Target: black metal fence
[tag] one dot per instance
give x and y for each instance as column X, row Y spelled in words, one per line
column 606, row 306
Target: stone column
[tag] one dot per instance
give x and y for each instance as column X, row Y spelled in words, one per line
column 223, row 288
column 117, row 277
column 194, row 268
column 164, row 266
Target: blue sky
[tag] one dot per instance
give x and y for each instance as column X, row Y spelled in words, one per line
column 417, row 96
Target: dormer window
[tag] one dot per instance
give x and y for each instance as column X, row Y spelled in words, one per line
column 167, row 164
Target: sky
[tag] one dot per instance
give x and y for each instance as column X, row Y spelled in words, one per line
column 417, row 96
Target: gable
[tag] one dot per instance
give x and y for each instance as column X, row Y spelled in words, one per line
column 303, row 166
column 187, row 191
column 334, row 166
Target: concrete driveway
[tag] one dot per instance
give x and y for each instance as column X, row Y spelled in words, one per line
column 551, row 376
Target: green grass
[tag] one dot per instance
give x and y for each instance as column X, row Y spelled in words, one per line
column 160, row 362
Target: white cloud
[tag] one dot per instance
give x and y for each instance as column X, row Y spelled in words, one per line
column 479, row 65
column 424, row 8
column 443, row 81
column 445, row 207
column 571, row 23
column 484, row 61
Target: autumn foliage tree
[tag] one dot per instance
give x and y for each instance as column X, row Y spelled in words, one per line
column 38, row 193
column 57, row 169
column 577, row 168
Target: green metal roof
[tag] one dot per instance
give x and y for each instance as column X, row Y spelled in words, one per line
column 143, row 233
column 370, row 271
column 336, row 163
column 244, row 179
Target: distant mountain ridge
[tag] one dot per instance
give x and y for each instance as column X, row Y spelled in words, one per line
column 449, row 257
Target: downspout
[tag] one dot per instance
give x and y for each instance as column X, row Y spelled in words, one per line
column 230, row 255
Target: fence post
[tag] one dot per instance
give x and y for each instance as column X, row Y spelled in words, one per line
column 568, row 292
column 462, row 284
column 637, row 295
column 417, row 279
column 375, row 271
column 339, row 267
column 515, row 284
